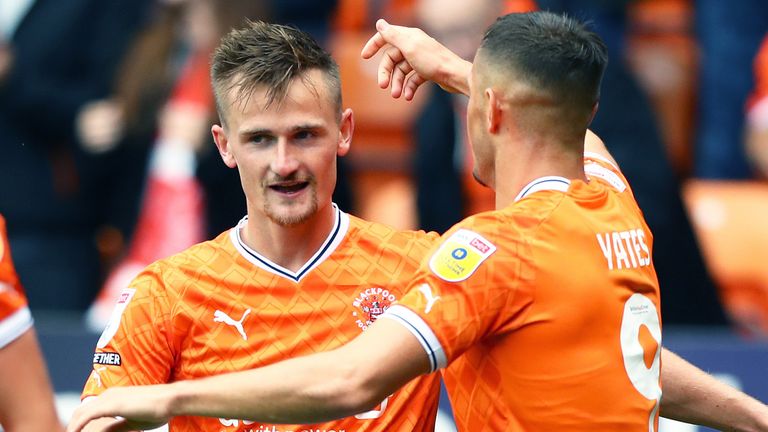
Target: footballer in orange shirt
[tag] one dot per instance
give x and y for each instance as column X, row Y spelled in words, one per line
column 296, row 275
column 545, row 311
column 26, row 396
column 220, row 306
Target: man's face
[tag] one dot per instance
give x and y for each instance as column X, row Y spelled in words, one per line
column 286, row 152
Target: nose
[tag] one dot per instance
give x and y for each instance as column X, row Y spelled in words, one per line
column 284, row 162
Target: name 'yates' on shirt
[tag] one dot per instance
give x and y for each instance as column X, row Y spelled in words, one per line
column 625, row 249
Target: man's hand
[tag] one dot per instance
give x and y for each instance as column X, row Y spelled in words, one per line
column 411, row 57
column 132, row 408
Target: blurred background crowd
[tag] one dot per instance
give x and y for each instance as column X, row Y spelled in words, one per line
column 106, row 159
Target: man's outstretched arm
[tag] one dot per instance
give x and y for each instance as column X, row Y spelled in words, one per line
column 693, row 396
column 324, row 386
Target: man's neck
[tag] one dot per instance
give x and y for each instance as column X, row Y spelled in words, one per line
column 288, row 246
column 517, row 166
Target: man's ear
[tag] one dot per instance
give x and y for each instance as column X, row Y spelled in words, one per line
column 346, row 130
column 494, row 113
column 222, row 143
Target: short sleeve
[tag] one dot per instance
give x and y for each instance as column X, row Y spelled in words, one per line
column 598, row 167
column 472, row 287
column 134, row 347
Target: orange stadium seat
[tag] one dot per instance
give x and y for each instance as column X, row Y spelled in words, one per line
column 730, row 221
column 380, row 159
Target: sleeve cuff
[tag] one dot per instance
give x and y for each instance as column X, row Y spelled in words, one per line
column 15, row 325
column 424, row 334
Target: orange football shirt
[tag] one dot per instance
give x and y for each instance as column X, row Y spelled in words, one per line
column 220, row 307
column 15, row 317
column 547, row 311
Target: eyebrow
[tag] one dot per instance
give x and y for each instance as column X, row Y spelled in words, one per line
column 267, row 131
column 254, row 131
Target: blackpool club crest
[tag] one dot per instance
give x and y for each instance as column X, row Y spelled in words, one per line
column 371, row 303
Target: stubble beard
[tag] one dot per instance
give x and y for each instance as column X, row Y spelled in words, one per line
column 288, row 219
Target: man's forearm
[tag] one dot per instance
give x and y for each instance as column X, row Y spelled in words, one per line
column 454, row 76
column 693, row 396
column 348, row 380
column 301, row 390
column 325, row 386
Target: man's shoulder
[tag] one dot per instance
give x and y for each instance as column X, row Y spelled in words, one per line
column 361, row 230
column 216, row 248
column 199, row 258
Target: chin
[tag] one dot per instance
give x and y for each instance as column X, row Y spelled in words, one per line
column 289, row 220
column 291, row 216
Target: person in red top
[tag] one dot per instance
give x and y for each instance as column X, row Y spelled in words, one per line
column 26, row 397
column 545, row 311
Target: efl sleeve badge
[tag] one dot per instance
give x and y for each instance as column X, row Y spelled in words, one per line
column 460, row 255
column 117, row 313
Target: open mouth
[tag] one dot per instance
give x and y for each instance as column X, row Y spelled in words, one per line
column 289, row 188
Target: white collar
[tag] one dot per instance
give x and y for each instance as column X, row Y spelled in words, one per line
column 337, row 234
column 544, row 183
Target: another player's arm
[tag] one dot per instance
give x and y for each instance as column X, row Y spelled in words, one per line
column 324, row 386
column 411, row 57
column 26, row 398
column 693, row 396
column 593, row 144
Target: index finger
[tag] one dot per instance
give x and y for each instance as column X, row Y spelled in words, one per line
column 77, row 422
column 82, row 417
column 374, row 44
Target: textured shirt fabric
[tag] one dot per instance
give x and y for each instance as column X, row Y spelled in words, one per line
column 221, row 307
column 547, row 311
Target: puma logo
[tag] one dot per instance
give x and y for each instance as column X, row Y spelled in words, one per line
column 222, row 317
column 427, row 291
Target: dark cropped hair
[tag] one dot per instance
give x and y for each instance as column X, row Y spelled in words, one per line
column 552, row 52
column 268, row 55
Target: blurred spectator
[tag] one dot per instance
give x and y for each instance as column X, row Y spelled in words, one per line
column 661, row 51
column 729, row 33
column 57, row 56
column 119, row 131
column 757, row 115
column 116, row 132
